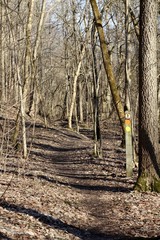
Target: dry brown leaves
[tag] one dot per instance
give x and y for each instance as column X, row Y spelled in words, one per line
column 62, row 192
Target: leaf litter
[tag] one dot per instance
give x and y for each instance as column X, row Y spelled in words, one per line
column 63, row 192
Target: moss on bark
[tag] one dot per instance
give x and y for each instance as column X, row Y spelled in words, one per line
column 156, row 185
column 147, row 184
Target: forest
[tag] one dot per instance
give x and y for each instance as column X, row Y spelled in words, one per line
column 79, row 119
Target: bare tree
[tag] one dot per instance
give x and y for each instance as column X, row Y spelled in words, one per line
column 33, row 102
column 24, row 91
column 75, row 88
column 96, row 85
column 107, row 64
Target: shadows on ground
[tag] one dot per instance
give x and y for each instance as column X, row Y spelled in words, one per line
column 57, row 149
column 58, row 224
column 71, row 134
column 90, row 134
column 87, row 187
column 109, row 178
column 4, row 237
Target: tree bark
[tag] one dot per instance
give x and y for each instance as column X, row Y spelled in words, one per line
column 128, row 59
column 33, row 103
column 2, row 66
column 27, row 65
column 75, row 88
column 149, row 164
column 22, row 110
column 96, row 78
column 81, row 119
column 129, row 135
column 134, row 21
column 108, row 65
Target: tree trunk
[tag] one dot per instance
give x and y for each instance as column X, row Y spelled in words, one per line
column 149, row 164
column 129, row 135
column 96, row 78
column 134, row 21
column 23, row 87
column 27, row 65
column 75, row 88
column 2, row 66
column 108, row 65
column 34, row 98
column 22, row 110
column 80, row 102
column 128, row 60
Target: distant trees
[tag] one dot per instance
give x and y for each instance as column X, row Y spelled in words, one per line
column 22, row 45
column 48, row 65
column 47, row 52
column 51, row 55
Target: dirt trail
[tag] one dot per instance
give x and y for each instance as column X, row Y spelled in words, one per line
column 63, row 192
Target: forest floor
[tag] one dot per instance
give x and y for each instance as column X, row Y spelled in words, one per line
column 62, row 192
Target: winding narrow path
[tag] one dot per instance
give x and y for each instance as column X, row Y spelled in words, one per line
column 63, row 192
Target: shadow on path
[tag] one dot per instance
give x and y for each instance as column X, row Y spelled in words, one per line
column 4, row 237
column 58, row 224
column 87, row 187
column 57, row 149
